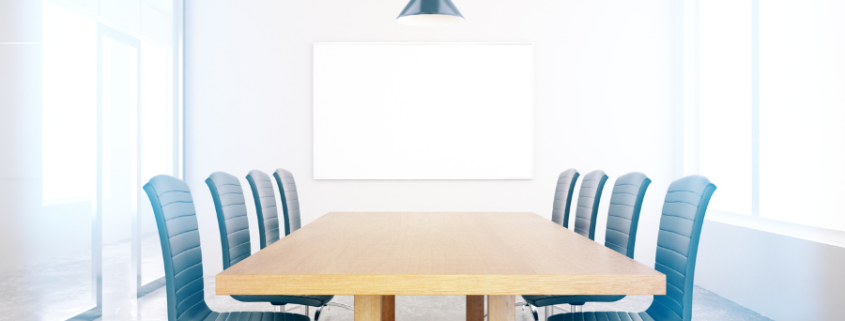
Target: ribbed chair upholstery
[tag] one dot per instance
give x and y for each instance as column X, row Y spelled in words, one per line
column 230, row 204
column 290, row 199
column 677, row 247
column 563, row 196
column 623, row 216
column 588, row 203
column 234, row 235
column 265, row 207
column 180, row 246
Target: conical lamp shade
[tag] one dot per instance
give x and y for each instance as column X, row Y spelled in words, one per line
column 430, row 13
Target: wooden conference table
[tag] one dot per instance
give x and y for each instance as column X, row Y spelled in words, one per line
column 375, row 256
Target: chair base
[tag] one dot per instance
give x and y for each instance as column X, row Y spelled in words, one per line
column 341, row 305
column 549, row 310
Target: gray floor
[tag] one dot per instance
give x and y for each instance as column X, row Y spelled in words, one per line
column 706, row 306
column 54, row 292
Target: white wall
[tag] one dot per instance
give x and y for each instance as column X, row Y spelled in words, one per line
column 782, row 277
column 604, row 100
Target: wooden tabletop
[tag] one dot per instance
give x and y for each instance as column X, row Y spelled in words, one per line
column 379, row 253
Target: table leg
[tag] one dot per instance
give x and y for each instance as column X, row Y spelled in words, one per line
column 368, row 308
column 475, row 308
column 388, row 308
column 501, row 308
column 375, row 308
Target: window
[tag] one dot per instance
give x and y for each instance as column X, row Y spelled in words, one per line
column 725, row 101
column 110, row 120
column 802, row 112
column 771, row 108
column 127, row 56
column 69, row 106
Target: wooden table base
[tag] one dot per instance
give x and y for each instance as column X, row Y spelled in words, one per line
column 388, row 308
column 475, row 308
column 375, row 308
column 383, row 308
column 501, row 308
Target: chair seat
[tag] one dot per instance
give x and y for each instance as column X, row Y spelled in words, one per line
column 602, row 316
column 546, row 300
column 256, row 316
column 309, row 300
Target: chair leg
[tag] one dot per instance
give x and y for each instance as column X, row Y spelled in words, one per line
column 317, row 313
column 548, row 310
column 559, row 308
column 521, row 305
column 341, row 305
column 534, row 313
column 296, row 307
column 305, row 308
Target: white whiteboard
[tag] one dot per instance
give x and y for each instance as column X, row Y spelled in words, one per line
column 423, row 111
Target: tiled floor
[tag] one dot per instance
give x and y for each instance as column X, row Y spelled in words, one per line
column 34, row 295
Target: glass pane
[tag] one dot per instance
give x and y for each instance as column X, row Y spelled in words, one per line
column 156, row 145
column 69, row 112
column 119, row 101
column 802, row 111
column 158, row 135
column 725, row 102
column 103, row 79
column 63, row 278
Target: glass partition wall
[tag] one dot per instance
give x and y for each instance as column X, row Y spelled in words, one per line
column 111, row 118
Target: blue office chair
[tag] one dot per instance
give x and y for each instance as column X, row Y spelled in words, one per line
column 265, row 207
column 563, row 196
column 234, row 235
column 623, row 215
column 588, row 203
column 290, row 199
column 677, row 248
column 268, row 217
column 180, row 246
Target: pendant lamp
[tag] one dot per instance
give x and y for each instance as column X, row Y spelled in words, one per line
column 430, row 13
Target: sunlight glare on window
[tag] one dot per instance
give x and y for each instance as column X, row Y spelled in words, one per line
column 725, row 102
column 802, row 112
column 69, row 106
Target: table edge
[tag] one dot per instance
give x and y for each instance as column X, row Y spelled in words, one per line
column 370, row 284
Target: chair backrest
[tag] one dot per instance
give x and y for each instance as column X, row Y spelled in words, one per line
column 180, row 246
column 231, row 217
column 290, row 200
column 588, row 203
column 677, row 245
column 563, row 196
column 265, row 207
column 623, row 214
